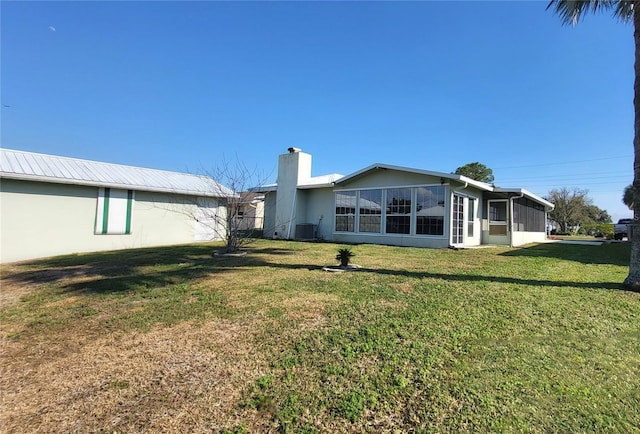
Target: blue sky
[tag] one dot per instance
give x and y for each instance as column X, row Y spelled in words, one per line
column 431, row 85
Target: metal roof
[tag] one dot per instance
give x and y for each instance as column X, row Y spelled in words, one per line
column 63, row 170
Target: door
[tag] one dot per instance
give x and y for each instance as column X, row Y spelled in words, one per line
column 457, row 225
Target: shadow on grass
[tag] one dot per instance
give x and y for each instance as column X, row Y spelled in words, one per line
column 465, row 277
column 121, row 271
column 608, row 253
column 126, row 270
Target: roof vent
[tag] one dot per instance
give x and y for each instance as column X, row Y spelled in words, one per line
column 292, row 150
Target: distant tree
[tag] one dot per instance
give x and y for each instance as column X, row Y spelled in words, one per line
column 476, row 171
column 627, row 196
column 597, row 215
column 570, row 12
column 573, row 208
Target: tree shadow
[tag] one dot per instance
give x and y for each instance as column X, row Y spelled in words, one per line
column 128, row 270
column 122, row 271
column 607, row 253
column 463, row 277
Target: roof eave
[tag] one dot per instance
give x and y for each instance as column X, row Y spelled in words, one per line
column 52, row 180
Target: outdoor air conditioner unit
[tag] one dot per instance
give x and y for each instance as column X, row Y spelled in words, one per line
column 306, row 231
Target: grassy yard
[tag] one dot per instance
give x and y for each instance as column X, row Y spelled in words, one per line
column 537, row 339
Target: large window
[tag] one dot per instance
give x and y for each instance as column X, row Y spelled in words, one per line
column 370, row 207
column 430, row 211
column 345, row 211
column 407, row 210
column 398, row 211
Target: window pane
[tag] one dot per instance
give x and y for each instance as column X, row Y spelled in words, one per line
column 370, row 223
column 399, row 201
column 430, row 211
column 345, row 223
column 398, row 224
column 371, row 202
column 471, row 216
column 345, row 211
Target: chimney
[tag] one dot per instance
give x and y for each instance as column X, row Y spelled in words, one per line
column 294, row 169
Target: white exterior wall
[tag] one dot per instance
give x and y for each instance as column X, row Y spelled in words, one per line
column 522, row 238
column 318, row 210
column 41, row 219
column 294, row 168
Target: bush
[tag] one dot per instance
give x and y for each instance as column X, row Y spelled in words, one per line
column 344, row 256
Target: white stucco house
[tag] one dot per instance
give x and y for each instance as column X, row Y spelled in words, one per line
column 52, row 205
column 385, row 204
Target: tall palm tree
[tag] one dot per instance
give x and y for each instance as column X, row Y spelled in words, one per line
column 571, row 11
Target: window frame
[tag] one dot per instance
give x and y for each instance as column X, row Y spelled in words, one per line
column 412, row 214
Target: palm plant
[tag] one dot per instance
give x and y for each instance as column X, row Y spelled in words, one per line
column 627, row 196
column 344, row 256
column 571, row 11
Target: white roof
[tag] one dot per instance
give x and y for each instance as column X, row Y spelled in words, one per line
column 63, row 170
column 321, row 181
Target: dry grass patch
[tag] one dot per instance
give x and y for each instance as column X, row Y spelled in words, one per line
column 189, row 375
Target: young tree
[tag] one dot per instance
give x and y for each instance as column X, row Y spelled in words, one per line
column 235, row 181
column 570, row 12
column 476, row 171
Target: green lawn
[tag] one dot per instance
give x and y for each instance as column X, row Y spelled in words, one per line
column 536, row 339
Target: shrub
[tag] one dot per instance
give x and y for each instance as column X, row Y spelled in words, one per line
column 344, row 256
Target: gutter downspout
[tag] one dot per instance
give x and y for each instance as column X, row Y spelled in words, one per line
column 511, row 217
column 293, row 208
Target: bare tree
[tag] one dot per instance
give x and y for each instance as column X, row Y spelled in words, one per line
column 571, row 208
column 234, row 182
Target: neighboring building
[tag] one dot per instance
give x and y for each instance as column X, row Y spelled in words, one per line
column 53, row 205
column 250, row 212
column 384, row 204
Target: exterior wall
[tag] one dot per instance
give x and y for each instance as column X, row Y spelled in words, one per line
column 392, row 240
column 269, row 227
column 42, row 219
column 253, row 216
column 521, row 238
column 318, row 210
column 389, row 178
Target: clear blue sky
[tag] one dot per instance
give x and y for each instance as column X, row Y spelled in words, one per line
column 431, row 85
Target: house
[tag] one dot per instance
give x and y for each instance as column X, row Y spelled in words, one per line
column 250, row 212
column 52, row 205
column 385, row 204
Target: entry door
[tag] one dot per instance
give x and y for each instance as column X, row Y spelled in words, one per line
column 457, row 226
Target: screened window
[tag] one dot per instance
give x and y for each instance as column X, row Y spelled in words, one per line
column 398, row 211
column 370, row 207
column 345, row 211
column 430, row 211
column 498, row 217
column 528, row 216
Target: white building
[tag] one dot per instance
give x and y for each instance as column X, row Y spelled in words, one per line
column 385, row 204
column 51, row 205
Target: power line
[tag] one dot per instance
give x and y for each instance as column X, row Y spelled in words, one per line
column 559, row 163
